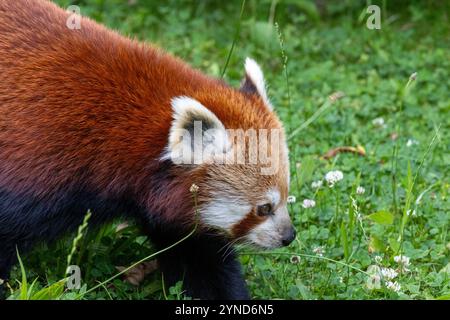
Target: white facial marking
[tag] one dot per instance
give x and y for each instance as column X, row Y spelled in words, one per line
column 253, row 70
column 224, row 212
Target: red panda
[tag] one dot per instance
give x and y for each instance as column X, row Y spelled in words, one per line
column 92, row 120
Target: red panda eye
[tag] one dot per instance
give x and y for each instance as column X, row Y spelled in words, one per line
column 265, row 210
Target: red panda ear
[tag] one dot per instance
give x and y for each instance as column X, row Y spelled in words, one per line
column 254, row 83
column 196, row 134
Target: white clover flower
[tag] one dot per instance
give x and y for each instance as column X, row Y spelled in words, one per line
column 316, row 184
column 394, row 286
column 334, row 176
column 360, row 190
column 402, row 259
column 295, row 259
column 403, row 262
column 411, row 142
column 411, row 213
column 378, row 122
column 308, row 203
column 291, row 199
column 388, row 273
column 378, row 259
column 319, row 251
column 194, row 188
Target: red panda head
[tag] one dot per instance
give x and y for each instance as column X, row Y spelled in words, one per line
column 235, row 145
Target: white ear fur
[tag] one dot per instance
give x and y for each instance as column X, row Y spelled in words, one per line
column 196, row 134
column 254, row 73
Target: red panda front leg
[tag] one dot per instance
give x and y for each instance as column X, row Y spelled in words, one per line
column 207, row 270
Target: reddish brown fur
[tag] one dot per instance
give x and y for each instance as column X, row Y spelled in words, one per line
column 250, row 221
column 95, row 104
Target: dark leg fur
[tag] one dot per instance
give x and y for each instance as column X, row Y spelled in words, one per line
column 26, row 220
column 6, row 262
column 208, row 270
column 3, row 291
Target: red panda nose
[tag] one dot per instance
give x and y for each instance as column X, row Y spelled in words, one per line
column 289, row 236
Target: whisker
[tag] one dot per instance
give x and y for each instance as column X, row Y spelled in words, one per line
column 231, row 248
column 228, row 247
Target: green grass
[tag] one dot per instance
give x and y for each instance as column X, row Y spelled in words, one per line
column 340, row 238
